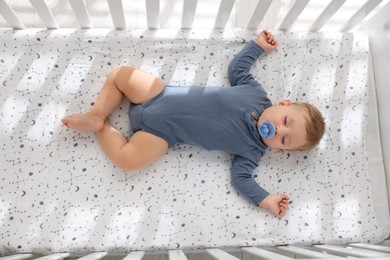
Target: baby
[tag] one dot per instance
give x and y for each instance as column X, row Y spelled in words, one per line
column 240, row 120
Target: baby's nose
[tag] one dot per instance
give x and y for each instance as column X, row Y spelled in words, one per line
column 278, row 129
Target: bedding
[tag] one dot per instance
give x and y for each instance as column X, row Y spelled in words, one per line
column 58, row 191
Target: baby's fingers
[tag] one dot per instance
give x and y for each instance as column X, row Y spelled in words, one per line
column 282, row 212
column 271, row 38
column 283, row 205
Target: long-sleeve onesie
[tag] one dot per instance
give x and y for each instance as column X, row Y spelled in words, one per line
column 214, row 118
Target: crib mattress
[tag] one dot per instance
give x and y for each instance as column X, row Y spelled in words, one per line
column 58, row 191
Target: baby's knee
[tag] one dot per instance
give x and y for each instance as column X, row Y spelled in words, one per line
column 121, row 75
column 124, row 165
column 119, row 70
column 123, row 162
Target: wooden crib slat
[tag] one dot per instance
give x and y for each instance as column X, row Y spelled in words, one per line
column 264, row 254
column 45, row 14
column 81, row 13
column 258, row 14
column 176, row 255
column 293, row 14
column 326, row 14
column 153, row 13
column 218, row 254
column 349, row 251
column 225, row 8
column 117, row 14
column 136, row 255
column 384, row 249
column 58, row 256
column 16, row 257
column 10, row 16
column 378, row 21
column 302, row 252
column 187, row 19
column 360, row 15
column 94, row 256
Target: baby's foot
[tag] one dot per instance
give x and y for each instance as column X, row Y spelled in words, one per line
column 84, row 122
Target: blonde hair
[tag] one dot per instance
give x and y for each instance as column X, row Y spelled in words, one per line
column 315, row 126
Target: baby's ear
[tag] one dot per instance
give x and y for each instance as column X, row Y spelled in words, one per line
column 283, row 102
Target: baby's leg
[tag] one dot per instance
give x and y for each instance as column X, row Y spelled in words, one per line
column 137, row 85
column 142, row 148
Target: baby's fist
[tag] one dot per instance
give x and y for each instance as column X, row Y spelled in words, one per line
column 267, row 41
column 277, row 204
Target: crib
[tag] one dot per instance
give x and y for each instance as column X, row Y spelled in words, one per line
column 30, row 153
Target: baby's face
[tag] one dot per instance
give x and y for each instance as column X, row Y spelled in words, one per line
column 289, row 121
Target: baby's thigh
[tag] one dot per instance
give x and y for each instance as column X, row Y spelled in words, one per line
column 138, row 85
column 142, row 149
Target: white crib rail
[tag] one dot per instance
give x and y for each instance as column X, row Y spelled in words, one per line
column 45, row 13
column 17, row 257
column 326, row 14
column 293, row 14
column 94, row 256
column 81, row 13
column 189, row 7
column 247, row 253
column 117, row 14
column 189, row 12
column 153, row 13
column 10, row 16
column 136, row 255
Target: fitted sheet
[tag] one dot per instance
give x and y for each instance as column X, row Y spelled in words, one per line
column 58, row 191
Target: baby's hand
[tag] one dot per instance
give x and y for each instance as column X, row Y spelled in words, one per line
column 266, row 41
column 276, row 203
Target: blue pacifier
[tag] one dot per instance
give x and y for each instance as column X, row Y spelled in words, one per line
column 267, row 130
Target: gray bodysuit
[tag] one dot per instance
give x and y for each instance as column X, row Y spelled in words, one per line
column 214, row 118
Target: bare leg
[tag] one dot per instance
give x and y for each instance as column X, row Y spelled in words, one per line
column 137, row 85
column 142, row 148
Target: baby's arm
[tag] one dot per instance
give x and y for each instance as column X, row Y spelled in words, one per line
column 239, row 67
column 242, row 179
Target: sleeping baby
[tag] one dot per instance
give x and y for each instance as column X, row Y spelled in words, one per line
column 240, row 120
